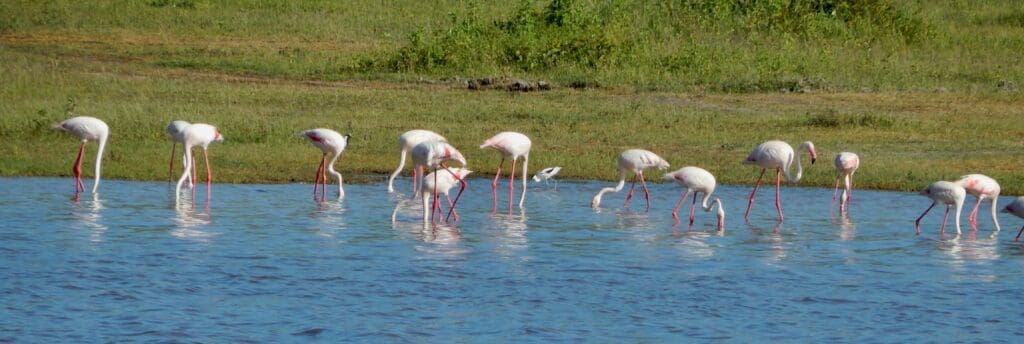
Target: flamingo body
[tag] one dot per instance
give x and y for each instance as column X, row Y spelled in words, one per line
column 947, row 193
column 435, row 154
column 696, row 180
column 406, row 142
column 636, row 161
column 511, row 145
column 1016, row 208
column 846, row 165
column 329, row 142
column 981, row 187
column 779, row 156
column 86, row 129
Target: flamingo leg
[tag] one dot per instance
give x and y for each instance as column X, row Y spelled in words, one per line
column 511, row 185
column 917, row 223
column 750, row 201
column 323, row 179
column 494, row 184
column 209, row 174
column 170, row 170
column 647, row 194
column 451, row 205
column 630, row 194
column 458, row 195
column 944, row 218
column 316, row 183
column 692, row 207
column 434, row 199
column 77, row 170
column 973, row 218
column 417, row 174
column 778, row 193
column 675, row 210
column 1018, row 234
column 834, row 193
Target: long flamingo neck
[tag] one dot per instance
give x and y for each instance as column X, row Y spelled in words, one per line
column 330, row 168
column 622, row 183
column 799, row 168
column 526, row 162
column 401, row 165
column 99, row 161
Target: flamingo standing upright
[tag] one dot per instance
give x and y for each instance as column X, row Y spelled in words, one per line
column 846, row 164
column 777, row 155
column 86, row 128
column 635, row 160
column 435, row 155
column 696, row 180
column 436, row 184
column 406, row 142
column 948, row 193
column 329, row 142
column 202, row 135
column 1016, row 207
column 176, row 129
column 510, row 145
column 981, row 187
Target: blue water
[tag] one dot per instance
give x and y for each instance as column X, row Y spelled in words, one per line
column 264, row 263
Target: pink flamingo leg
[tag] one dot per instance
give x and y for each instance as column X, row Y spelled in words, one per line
column 630, row 194
column 647, row 194
column 917, row 223
column 778, row 193
column 1018, row 234
column 944, row 218
column 323, row 179
column 834, row 194
column 451, row 205
column 316, row 183
column 750, row 201
column 692, row 207
column 209, row 174
column 77, row 170
column 170, row 170
column 494, row 185
column 973, row 218
column 511, row 185
column 675, row 210
column 458, row 195
column 435, row 201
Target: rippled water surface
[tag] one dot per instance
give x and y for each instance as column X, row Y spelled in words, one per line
column 264, row 263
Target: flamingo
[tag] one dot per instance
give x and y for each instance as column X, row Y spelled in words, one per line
column 846, row 164
column 948, row 193
column 981, row 187
column 435, row 184
column 546, row 174
column 406, row 142
column 510, row 145
column 329, row 141
column 1016, row 207
column 636, row 160
column 435, row 154
column 696, row 180
column 85, row 128
column 175, row 129
column 202, row 135
column 777, row 155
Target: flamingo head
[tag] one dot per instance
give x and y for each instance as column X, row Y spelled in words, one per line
column 450, row 153
column 217, row 136
column 810, row 150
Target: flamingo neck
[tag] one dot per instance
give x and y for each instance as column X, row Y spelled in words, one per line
column 622, row 183
column 99, row 161
column 799, row 167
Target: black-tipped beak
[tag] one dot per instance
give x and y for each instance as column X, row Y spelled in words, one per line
column 812, row 161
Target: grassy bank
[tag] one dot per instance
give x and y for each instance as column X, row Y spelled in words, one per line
column 917, row 109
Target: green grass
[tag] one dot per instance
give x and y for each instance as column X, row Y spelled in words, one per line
column 917, row 109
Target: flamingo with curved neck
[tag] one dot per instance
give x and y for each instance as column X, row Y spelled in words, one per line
column 779, row 156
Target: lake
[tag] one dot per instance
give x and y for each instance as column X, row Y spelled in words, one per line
column 265, row 263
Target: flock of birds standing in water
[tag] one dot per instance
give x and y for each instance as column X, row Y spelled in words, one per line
column 432, row 151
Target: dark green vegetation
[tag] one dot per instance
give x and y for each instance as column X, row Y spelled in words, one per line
column 923, row 90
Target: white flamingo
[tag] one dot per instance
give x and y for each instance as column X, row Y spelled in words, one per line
column 779, row 156
column 86, row 129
